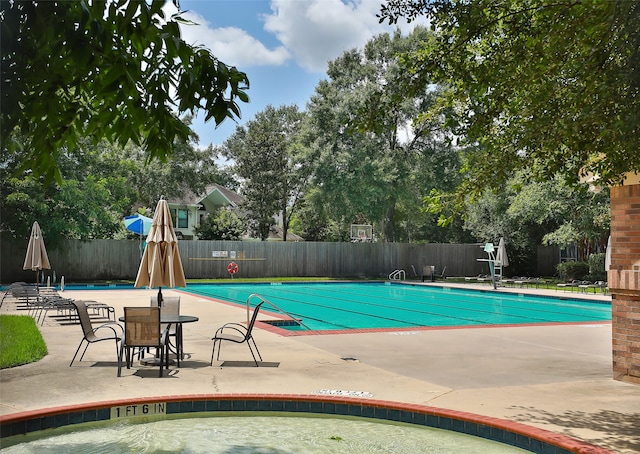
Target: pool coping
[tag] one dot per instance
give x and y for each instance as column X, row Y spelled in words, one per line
column 503, row 431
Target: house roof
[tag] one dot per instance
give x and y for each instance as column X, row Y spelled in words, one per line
column 276, row 233
column 217, row 193
column 214, row 194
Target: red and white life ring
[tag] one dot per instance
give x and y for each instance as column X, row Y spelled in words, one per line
column 232, row 268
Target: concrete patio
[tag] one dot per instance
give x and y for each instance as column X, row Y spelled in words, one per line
column 553, row 377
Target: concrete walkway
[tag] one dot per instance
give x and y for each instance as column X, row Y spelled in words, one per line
column 553, row 377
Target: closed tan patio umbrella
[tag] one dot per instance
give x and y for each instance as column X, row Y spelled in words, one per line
column 161, row 265
column 501, row 255
column 36, row 258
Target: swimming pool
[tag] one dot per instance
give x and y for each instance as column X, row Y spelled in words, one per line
column 75, row 420
column 345, row 306
column 256, row 433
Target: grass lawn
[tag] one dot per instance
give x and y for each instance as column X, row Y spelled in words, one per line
column 20, row 341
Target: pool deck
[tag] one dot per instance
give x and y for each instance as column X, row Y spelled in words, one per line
column 554, row 377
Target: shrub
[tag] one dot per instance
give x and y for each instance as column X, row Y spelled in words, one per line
column 221, row 225
column 572, row 270
column 596, row 263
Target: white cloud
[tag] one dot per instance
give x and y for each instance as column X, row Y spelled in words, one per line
column 317, row 31
column 231, row 45
column 312, row 32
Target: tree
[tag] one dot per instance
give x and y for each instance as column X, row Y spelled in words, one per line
column 575, row 215
column 548, row 86
column 222, row 225
column 368, row 158
column 187, row 171
column 101, row 184
column 528, row 213
column 116, row 70
column 266, row 157
column 89, row 203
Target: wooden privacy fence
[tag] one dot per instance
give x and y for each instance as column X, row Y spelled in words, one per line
column 97, row 260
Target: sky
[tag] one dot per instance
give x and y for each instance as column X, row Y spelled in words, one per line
column 282, row 45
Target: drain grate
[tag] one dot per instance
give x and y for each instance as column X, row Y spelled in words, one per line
column 343, row 392
column 354, row 360
column 282, row 322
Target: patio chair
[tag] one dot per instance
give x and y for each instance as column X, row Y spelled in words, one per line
column 238, row 333
column 432, row 273
column 142, row 331
column 90, row 335
column 170, row 306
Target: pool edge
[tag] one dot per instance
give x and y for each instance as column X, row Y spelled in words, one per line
column 495, row 429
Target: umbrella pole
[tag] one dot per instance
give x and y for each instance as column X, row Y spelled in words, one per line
column 159, row 296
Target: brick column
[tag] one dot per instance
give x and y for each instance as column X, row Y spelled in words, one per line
column 624, row 281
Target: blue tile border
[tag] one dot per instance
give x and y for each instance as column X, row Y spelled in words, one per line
column 423, row 416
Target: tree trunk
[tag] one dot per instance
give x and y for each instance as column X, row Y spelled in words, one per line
column 388, row 227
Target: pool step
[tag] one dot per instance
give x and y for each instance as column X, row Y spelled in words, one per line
column 290, row 322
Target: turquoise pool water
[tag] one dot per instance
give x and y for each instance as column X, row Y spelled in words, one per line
column 256, row 434
column 343, row 306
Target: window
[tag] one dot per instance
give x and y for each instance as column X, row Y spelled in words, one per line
column 180, row 218
column 569, row 253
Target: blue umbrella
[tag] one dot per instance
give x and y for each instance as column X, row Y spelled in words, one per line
column 137, row 223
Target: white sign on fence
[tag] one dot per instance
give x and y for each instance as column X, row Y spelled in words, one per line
column 220, row 253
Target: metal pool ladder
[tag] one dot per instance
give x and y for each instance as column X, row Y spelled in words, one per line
column 263, row 299
column 398, row 275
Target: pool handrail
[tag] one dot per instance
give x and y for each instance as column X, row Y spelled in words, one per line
column 263, row 299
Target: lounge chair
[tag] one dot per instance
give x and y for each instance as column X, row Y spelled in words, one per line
column 25, row 296
column 142, row 331
column 527, row 282
column 596, row 285
column 114, row 332
column 63, row 306
column 476, row 278
column 506, row 282
column 100, row 310
column 238, row 333
column 569, row 285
